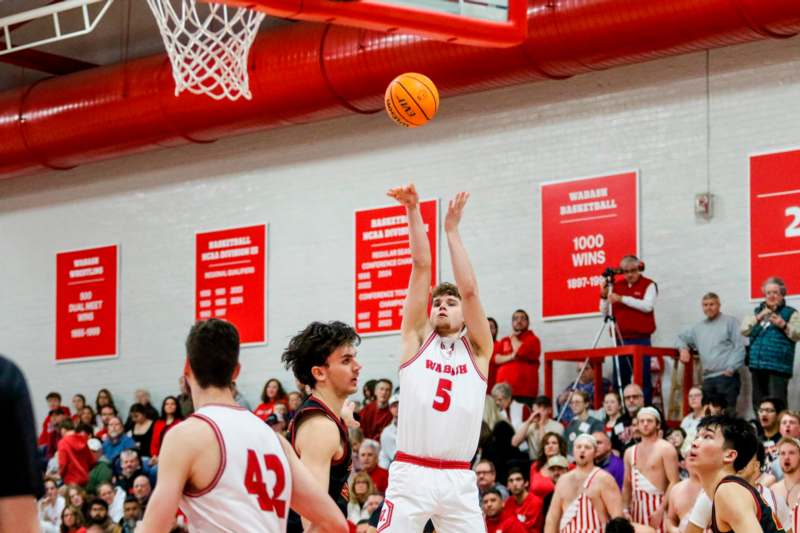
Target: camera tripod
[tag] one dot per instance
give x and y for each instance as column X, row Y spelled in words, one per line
column 616, row 338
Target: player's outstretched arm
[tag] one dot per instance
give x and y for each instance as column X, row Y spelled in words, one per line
column 174, row 468
column 310, row 500
column 474, row 316
column 736, row 508
column 414, row 327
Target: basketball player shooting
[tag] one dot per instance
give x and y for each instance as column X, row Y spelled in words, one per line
column 226, row 469
column 443, row 386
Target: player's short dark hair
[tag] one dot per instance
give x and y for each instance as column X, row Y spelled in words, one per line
column 619, row 525
column 212, row 348
column 445, row 289
column 312, row 347
column 761, row 453
column 492, row 491
column 777, row 403
column 543, row 401
column 515, row 470
column 738, row 435
column 51, row 395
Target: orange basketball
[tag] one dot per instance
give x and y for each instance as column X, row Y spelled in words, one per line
column 412, row 99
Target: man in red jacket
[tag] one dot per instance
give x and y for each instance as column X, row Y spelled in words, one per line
column 632, row 303
column 522, row 504
column 376, row 415
column 517, row 359
column 496, row 520
column 75, row 459
column 53, row 404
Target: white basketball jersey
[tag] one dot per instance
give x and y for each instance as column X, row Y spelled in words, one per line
column 253, row 486
column 442, row 398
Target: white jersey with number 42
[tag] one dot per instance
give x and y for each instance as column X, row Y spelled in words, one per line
column 253, row 485
column 442, row 401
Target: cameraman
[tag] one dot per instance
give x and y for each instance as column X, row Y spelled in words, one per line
column 773, row 329
column 632, row 301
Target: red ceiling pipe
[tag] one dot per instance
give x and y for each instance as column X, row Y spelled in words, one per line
column 305, row 72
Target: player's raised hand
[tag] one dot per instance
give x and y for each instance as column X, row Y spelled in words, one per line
column 405, row 195
column 454, row 211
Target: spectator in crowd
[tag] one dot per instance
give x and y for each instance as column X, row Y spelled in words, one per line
column 536, row 426
column 773, row 329
column 768, row 429
column 103, row 398
column 78, row 403
column 721, row 348
column 714, row 405
column 141, row 430
column 498, row 521
column 582, row 422
column 518, row 359
column 368, row 390
column 130, row 469
column 239, row 398
column 607, row 460
column 491, row 378
column 389, row 434
column 142, row 489
column 523, row 504
column 690, row 421
column 72, row 520
column 170, row 416
column 632, row 302
column 102, row 471
column 116, row 440
column 50, row 426
column 498, row 449
column 633, row 396
column 356, row 437
column 376, row 415
column 185, row 398
column 556, row 467
column 512, row 411
column 74, row 457
column 541, row 480
column 677, row 437
column 56, row 417
column 277, row 422
column 487, row 479
column 271, row 395
column 50, row 507
column 789, row 424
column 373, row 502
column 107, row 412
column 98, row 515
column 132, row 512
column 87, row 416
column 785, row 489
column 142, row 397
column 585, row 383
column 368, row 455
column 615, row 421
column 360, row 488
column 363, row 526
column 586, row 495
column 75, row 496
column 115, row 499
column 294, row 400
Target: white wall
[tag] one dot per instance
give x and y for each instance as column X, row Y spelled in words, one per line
column 306, row 181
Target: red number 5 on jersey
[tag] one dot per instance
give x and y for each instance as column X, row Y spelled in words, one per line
column 254, row 482
column 442, row 400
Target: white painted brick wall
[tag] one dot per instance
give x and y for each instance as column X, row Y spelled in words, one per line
column 306, row 181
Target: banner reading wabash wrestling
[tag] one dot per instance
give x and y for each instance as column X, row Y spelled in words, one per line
column 588, row 225
column 383, row 264
column 775, row 220
column 230, row 279
column 86, row 304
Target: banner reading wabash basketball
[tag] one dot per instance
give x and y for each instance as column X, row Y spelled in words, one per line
column 775, row 220
column 588, row 225
column 383, row 264
column 86, row 304
column 230, row 279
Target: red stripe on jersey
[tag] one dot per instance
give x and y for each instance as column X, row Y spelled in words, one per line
column 422, row 349
column 472, row 358
column 222, row 458
column 429, row 462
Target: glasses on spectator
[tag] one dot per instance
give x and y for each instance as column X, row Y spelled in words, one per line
column 766, row 410
column 632, row 396
column 483, row 472
column 629, row 270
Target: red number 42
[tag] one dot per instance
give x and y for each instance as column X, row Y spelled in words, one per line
column 254, row 482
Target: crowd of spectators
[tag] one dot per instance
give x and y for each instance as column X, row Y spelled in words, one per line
column 101, row 470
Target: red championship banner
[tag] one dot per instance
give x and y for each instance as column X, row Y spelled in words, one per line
column 383, row 264
column 86, row 304
column 230, row 282
column 588, row 225
column 775, row 220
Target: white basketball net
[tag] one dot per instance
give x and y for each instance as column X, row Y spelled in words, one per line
column 208, row 45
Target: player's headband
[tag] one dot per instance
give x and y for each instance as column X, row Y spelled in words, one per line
column 649, row 411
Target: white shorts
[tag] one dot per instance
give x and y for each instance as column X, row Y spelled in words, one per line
column 416, row 494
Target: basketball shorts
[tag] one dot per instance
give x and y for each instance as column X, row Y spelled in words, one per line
column 448, row 497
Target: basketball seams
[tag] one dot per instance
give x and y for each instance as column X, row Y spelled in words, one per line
column 399, row 96
column 405, row 119
column 428, row 84
column 411, row 97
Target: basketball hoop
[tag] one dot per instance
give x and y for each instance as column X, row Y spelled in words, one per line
column 208, row 45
